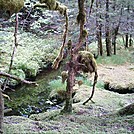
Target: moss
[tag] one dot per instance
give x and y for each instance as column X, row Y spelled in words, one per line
column 53, row 5
column 45, row 116
column 128, row 110
column 81, row 17
column 84, row 33
column 11, row 6
column 86, row 54
column 87, row 58
column 92, row 118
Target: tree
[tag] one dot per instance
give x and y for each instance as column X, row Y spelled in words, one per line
column 71, row 65
column 115, row 25
column 127, row 36
column 126, row 24
column 107, row 30
column 74, row 64
column 99, row 27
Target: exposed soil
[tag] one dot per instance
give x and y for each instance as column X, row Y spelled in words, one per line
column 118, row 74
column 117, row 78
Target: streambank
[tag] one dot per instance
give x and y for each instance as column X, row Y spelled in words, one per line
column 26, row 100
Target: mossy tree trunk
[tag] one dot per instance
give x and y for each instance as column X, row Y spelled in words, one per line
column 70, row 84
column 72, row 62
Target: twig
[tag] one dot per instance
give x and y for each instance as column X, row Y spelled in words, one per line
column 27, row 17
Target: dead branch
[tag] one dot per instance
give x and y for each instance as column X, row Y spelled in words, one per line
column 13, row 53
column 93, row 89
column 17, row 79
column 60, row 55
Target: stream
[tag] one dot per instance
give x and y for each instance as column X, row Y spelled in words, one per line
column 27, row 100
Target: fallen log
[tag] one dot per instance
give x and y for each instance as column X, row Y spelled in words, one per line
column 17, row 78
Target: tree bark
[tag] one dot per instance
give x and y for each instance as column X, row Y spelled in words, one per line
column 115, row 33
column 1, row 111
column 71, row 65
column 107, row 30
column 130, row 40
column 127, row 41
column 69, row 88
column 98, row 28
column 126, row 44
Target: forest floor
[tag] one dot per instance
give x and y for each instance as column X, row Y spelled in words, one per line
column 119, row 77
column 95, row 118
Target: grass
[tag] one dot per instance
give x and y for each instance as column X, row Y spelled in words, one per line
column 85, row 80
column 100, row 84
column 122, row 57
column 57, row 84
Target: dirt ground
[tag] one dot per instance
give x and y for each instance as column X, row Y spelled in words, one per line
column 118, row 74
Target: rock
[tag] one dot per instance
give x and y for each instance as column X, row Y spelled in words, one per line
column 127, row 110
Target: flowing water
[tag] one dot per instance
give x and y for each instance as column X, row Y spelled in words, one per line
column 26, row 100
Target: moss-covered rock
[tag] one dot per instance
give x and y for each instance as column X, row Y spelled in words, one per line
column 45, row 116
column 8, row 7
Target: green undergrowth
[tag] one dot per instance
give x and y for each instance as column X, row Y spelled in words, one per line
column 32, row 53
column 57, row 84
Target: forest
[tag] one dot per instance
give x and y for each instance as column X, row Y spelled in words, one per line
column 66, row 66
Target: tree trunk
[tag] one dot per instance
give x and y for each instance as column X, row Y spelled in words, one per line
column 70, row 84
column 130, row 40
column 1, row 111
column 114, row 30
column 107, row 30
column 126, row 44
column 98, row 29
column 71, row 65
column 115, row 33
column 114, row 41
column 127, row 41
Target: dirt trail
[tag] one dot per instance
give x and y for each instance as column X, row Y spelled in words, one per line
column 123, row 74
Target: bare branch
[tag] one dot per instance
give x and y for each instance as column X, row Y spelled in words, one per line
column 17, row 79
